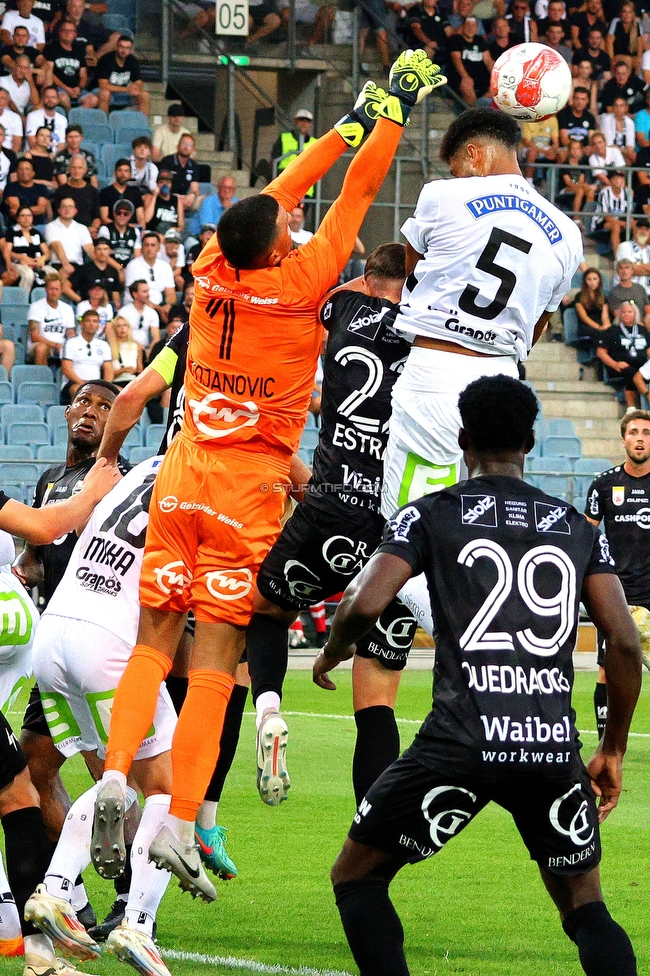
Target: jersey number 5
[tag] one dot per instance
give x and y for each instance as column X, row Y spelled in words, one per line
column 561, row 604
column 508, row 279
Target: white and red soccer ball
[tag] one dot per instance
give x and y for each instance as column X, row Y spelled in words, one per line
column 530, row 82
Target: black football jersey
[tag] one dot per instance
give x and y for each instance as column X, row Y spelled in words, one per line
column 55, row 485
column 504, row 565
column 178, row 343
column 363, row 359
column 623, row 502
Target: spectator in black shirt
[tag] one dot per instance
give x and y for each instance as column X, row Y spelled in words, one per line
column 99, row 271
column 470, row 63
column 575, row 121
column 522, row 26
column 50, row 12
column 596, row 53
column 20, row 46
column 123, row 236
column 42, row 159
column 428, row 29
column 556, row 17
column 84, row 194
column 624, row 348
column 582, row 23
column 207, row 230
column 66, row 62
column 26, row 251
column 88, row 31
column 118, row 75
column 500, row 39
column 164, row 210
column 73, row 137
column 24, row 192
column 120, row 189
column 623, row 85
column 183, row 168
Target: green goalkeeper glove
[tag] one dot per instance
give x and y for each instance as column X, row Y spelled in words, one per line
column 361, row 120
column 412, row 78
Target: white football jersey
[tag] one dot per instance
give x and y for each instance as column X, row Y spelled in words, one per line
column 101, row 582
column 496, row 255
column 18, row 620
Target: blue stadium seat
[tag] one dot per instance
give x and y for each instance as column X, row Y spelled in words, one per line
column 52, row 453
column 134, row 437
column 37, row 294
column 17, row 472
column 129, row 133
column 4, row 376
column 44, row 393
column 560, row 427
column 9, row 332
column 536, row 451
column 87, row 116
column 559, row 446
column 16, row 452
column 91, row 145
column 306, row 455
column 127, row 118
column 110, row 153
column 207, row 190
column 584, row 346
column 138, row 454
column 28, row 433
column 12, row 295
column 580, row 502
column 19, row 493
column 550, row 474
column 15, row 315
column 14, row 413
column 309, row 438
column 60, row 434
column 30, row 374
column 154, row 435
column 6, row 392
column 585, row 470
column 104, row 181
column 55, row 415
column 98, row 133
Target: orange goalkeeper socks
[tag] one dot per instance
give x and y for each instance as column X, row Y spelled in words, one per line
column 134, row 705
column 195, row 748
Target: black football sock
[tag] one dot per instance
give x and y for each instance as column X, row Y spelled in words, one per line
column 377, row 746
column 123, row 883
column 603, row 946
column 228, row 745
column 267, row 653
column 600, row 707
column 372, row 927
column 27, row 856
column 177, row 688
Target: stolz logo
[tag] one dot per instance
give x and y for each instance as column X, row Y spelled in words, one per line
column 399, row 633
column 479, row 511
column 400, row 525
column 172, row 578
column 367, row 322
column 229, row 584
column 303, row 583
column 576, row 822
column 446, row 822
column 216, row 415
column 168, row 504
column 551, row 518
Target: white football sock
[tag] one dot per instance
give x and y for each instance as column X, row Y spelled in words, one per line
column 72, row 854
column 206, row 818
column 148, row 883
column 79, row 897
column 38, row 945
column 183, row 829
column 268, row 699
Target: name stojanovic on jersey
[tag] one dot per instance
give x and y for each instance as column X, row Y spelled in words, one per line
column 496, row 256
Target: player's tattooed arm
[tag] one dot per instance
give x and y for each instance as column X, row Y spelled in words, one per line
column 361, row 605
column 605, row 601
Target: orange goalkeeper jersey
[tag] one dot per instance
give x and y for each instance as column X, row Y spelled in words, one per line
column 255, row 335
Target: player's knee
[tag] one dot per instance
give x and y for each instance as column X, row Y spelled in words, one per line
column 18, row 794
column 604, row 947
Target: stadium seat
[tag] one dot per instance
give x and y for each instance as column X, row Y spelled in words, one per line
column 537, row 449
column 154, row 435
column 580, row 502
column 37, row 294
column 559, row 446
column 134, row 437
column 52, row 453
column 207, row 190
column 19, row 351
column 584, row 346
column 560, row 427
column 28, row 433
column 4, row 376
column 55, row 415
column 17, row 472
column 306, row 455
column 130, row 133
column 309, row 438
column 14, row 315
column 6, row 392
column 110, row 153
column 91, row 146
column 19, row 493
column 44, row 393
column 128, row 118
column 12, row 295
column 14, row 413
column 16, row 452
column 550, row 474
column 138, row 454
column 87, row 116
column 30, row 374
column 117, row 22
column 98, row 133
column 10, row 332
column 60, row 434
column 585, row 470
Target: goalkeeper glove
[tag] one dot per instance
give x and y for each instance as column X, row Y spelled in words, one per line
column 412, row 78
column 361, row 120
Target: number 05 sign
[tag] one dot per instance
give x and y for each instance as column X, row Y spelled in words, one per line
column 232, row 17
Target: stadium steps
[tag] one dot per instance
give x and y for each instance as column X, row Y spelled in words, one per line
column 588, row 402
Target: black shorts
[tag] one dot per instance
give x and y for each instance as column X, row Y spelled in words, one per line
column 316, row 555
column 34, row 718
column 411, row 812
column 12, row 760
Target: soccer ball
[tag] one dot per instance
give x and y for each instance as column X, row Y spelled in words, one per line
column 530, row 82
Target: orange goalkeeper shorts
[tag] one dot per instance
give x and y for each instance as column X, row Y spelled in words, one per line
column 214, row 515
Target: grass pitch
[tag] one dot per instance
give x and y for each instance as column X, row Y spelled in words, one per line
column 477, row 909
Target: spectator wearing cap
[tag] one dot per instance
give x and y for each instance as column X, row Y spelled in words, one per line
column 638, row 251
column 122, row 234
column 156, row 272
column 119, row 79
column 84, row 194
column 144, row 172
column 164, row 209
column 183, row 168
column 626, row 290
column 121, row 189
column 212, row 207
column 174, row 252
column 73, row 137
column 68, row 239
column 100, row 271
column 167, row 135
column 288, row 144
column 206, row 232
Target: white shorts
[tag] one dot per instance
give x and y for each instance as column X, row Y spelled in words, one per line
column 78, row 665
column 422, row 455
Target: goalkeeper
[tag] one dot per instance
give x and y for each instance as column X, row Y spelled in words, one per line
column 254, row 341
